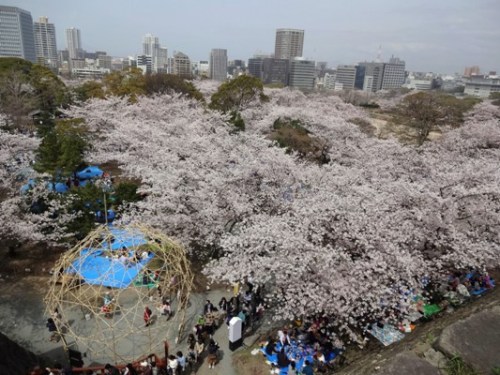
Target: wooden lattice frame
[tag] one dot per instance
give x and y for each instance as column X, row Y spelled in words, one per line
column 70, row 294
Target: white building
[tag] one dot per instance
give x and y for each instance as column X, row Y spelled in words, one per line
column 329, row 81
column 159, row 55
column 74, row 43
column 45, row 43
column 289, row 43
column 482, row 86
column 203, row 68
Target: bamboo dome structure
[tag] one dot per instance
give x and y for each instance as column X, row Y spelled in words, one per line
column 101, row 287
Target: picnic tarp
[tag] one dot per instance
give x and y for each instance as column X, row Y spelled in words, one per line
column 386, row 334
column 296, row 352
column 99, row 267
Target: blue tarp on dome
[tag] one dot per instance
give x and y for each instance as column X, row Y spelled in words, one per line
column 89, row 172
column 97, row 267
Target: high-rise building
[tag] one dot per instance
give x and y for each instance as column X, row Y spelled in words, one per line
column 394, row 74
column 74, row 43
column 346, row 76
column 302, row 74
column 182, row 65
column 218, row 64
column 289, row 43
column 16, row 33
column 275, row 70
column 159, row 55
column 45, row 43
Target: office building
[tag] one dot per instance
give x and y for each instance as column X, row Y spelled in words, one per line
column 394, row 74
column 218, row 64
column 255, row 67
column 45, row 43
column 182, row 65
column 302, row 74
column 159, row 55
column 74, row 44
column 482, row 86
column 104, row 61
column 16, row 33
column 346, row 76
column 275, row 70
column 329, row 81
column 203, row 68
column 369, row 76
column 289, row 43
column 145, row 63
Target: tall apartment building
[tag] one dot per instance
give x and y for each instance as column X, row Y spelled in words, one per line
column 45, row 43
column 346, row 76
column 289, row 43
column 16, row 33
column 302, row 74
column 74, row 43
column 218, row 64
column 182, row 65
column 394, row 74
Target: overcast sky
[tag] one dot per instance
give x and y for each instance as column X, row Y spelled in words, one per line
column 430, row 35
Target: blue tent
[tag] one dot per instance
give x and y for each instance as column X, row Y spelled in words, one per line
column 61, row 187
column 26, row 187
column 89, row 172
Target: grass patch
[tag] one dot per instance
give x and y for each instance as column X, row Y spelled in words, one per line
column 457, row 366
column 364, row 125
column 292, row 135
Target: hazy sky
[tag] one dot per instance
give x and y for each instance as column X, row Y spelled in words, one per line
column 431, row 35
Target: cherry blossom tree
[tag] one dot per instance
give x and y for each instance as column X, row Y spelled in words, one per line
column 345, row 237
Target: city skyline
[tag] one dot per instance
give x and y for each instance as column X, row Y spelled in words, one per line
column 442, row 37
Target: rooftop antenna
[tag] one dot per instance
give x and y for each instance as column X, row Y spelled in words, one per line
column 379, row 54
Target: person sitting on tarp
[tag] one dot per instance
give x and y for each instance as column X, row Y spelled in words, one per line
column 307, row 369
column 271, row 347
column 283, row 361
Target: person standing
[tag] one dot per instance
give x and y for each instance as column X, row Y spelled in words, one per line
column 147, row 316
column 213, row 349
column 51, row 325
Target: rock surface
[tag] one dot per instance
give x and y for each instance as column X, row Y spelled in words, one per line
column 408, row 363
column 475, row 339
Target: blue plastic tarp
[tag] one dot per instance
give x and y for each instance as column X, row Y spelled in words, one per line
column 89, row 172
column 100, row 267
